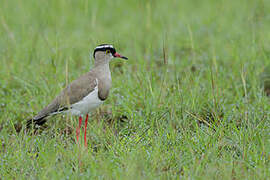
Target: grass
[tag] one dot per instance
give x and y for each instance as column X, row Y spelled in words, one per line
column 190, row 103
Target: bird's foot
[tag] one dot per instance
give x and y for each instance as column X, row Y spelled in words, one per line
column 85, row 130
column 78, row 129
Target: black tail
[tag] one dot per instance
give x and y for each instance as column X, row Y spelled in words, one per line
column 35, row 123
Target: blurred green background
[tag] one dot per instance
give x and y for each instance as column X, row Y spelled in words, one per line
column 191, row 102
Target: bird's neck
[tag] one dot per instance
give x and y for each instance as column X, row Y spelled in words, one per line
column 104, row 71
column 104, row 80
column 102, row 61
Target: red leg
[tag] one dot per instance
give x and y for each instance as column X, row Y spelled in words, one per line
column 78, row 128
column 85, row 129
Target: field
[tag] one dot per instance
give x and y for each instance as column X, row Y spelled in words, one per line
column 192, row 101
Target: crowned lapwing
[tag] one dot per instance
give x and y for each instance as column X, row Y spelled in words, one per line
column 83, row 94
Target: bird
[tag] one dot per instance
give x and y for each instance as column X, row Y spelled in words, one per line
column 84, row 94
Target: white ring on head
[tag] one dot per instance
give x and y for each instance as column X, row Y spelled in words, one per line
column 104, row 46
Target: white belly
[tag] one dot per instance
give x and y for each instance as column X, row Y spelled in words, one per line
column 87, row 104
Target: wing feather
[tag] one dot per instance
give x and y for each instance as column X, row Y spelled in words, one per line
column 73, row 93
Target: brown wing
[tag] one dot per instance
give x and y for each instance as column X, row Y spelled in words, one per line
column 73, row 93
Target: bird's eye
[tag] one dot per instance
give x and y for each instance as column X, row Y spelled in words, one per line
column 108, row 51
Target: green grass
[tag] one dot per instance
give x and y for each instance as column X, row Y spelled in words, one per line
column 190, row 102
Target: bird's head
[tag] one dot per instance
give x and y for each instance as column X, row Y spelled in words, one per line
column 105, row 52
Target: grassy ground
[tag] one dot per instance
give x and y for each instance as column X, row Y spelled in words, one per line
column 191, row 101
